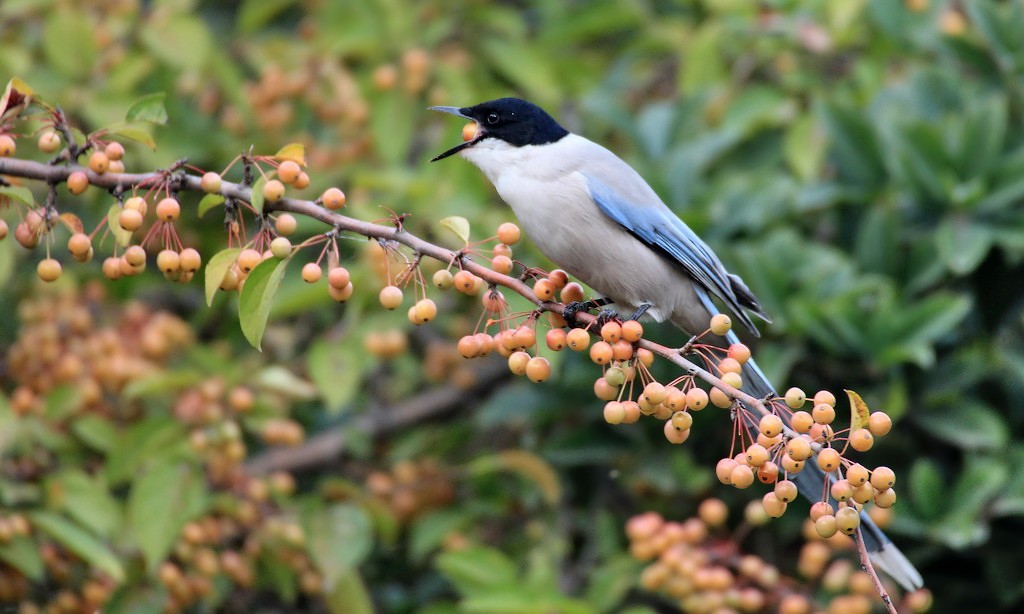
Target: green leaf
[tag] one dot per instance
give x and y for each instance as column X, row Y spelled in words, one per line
column 152, row 440
column 23, row 554
column 121, row 236
column 962, row 243
column 209, row 202
column 79, row 541
column 86, row 499
column 428, row 532
column 257, row 197
column 854, row 145
column 282, row 382
column 254, row 14
column 804, row 147
column 61, row 402
column 525, row 463
column 162, row 500
column 258, row 296
column 98, row 433
column 336, row 369
column 19, row 193
column 134, row 132
column 476, row 570
column 971, row 427
column 216, row 268
column 162, row 383
column 341, row 538
column 7, row 258
column 350, row 595
column 458, row 225
column 69, row 42
column 149, row 108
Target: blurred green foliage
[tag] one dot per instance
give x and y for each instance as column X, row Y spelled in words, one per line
column 859, row 163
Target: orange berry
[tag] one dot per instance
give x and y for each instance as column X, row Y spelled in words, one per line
column 333, row 198
column 622, row 350
column 524, row 337
column 824, row 396
column 682, row 420
column 611, row 332
column 538, row 369
column 517, row 362
column 425, row 311
column 501, row 264
column 7, row 146
column 772, row 505
column 742, row 476
column 720, row 399
column 578, row 339
column 168, row 209
column 675, row 435
column 841, row 490
column 190, row 260
column 795, row 398
column 823, row 413
column 861, row 440
column 879, row 423
column 248, row 259
column 723, row 470
column 469, row 346
column 801, row 421
column 828, row 459
column 301, row 182
column 696, row 399
column 571, row 293
column 883, row 478
column 79, row 244
column 713, row 512
column 885, row 498
column 654, row 393
column 443, row 279
column 49, row 141
column 341, row 294
column 136, row 203
column 311, row 272
column 129, row 220
column 114, row 150
column 799, row 449
column 732, row 379
column 857, row 474
column 632, row 331
column 601, row 352
column 112, row 268
column 739, row 352
column 338, row 277
column 168, row 261
column 646, row 357
column 786, row 491
column 825, row 526
column 99, row 162
column 286, row 224
column 135, row 255
column 556, row 339
column 390, row 297
column 821, row 508
column 770, row 425
column 720, row 324
column 288, row 171
column 273, row 190
column 559, row 277
column 847, row 520
column 729, row 365
column 465, row 282
column 508, row 233
column 469, row 131
column 756, row 455
column 211, row 182
column 281, row 247
column 48, row 269
column 544, row 289
column 614, row 412
column 77, row 182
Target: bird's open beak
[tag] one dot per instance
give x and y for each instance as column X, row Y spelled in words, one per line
column 454, row 150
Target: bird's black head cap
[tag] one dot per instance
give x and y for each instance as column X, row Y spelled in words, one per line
column 513, row 120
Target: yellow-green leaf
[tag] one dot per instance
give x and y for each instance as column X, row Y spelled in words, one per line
column 257, row 298
column 209, row 202
column 216, row 268
column 859, row 411
column 79, row 541
column 17, row 93
column 296, row 152
column 527, row 464
column 257, row 195
column 149, row 108
column 134, row 132
column 458, row 225
column 18, row 192
column 122, row 236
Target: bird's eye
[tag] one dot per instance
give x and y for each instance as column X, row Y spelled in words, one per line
column 492, row 118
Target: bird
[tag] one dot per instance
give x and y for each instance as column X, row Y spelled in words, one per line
column 593, row 215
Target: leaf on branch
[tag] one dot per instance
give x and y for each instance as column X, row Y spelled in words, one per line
column 344, row 538
column 162, row 500
column 19, row 193
column 72, row 222
column 79, row 541
column 209, row 202
column 216, row 269
column 135, row 132
column 527, row 464
column 149, row 108
column 23, row 554
column 458, row 225
column 257, row 298
column 859, row 411
column 296, row 152
column 257, row 196
column 17, row 94
column 122, row 236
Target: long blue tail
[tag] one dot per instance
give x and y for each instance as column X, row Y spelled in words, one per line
column 811, row 480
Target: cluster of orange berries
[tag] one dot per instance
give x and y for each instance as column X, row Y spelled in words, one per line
column 411, row 489
column 698, row 564
column 775, row 455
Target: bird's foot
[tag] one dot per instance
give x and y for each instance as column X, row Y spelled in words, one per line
column 683, row 351
column 640, row 311
column 607, row 315
column 576, row 307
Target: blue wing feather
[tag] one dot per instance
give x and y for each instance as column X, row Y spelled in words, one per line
column 659, row 228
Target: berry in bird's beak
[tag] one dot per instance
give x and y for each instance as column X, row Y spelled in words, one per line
column 471, row 132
